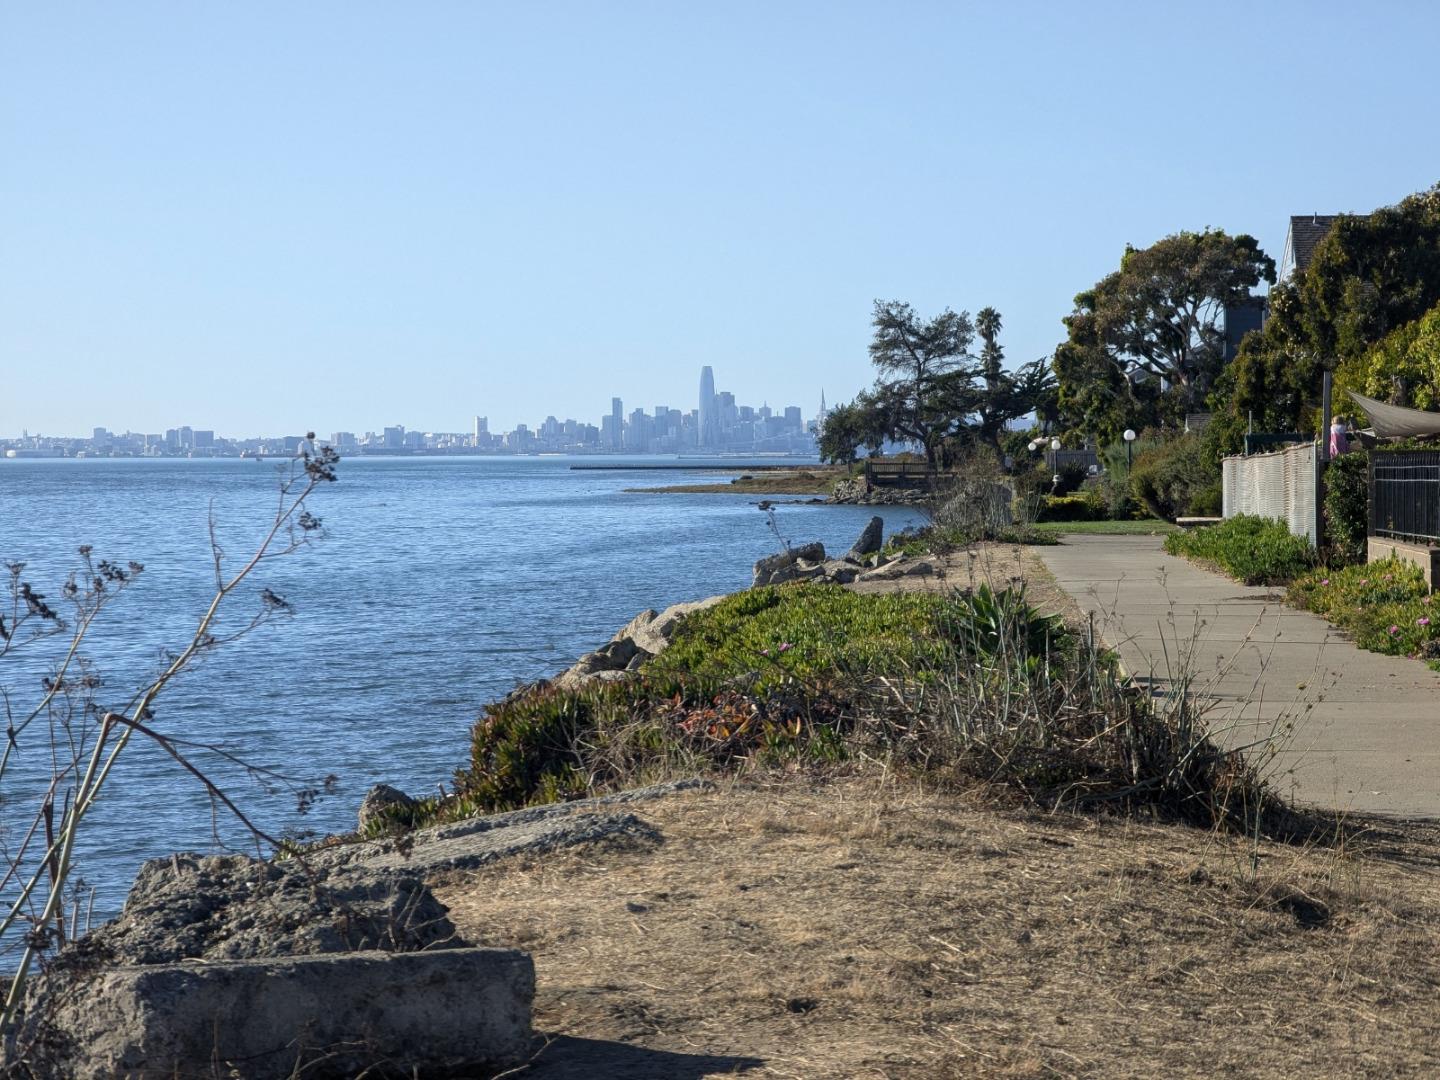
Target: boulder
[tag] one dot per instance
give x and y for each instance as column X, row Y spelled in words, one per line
column 644, row 636
column 775, row 569
column 656, row 636
column 901, row 568
column 870, row 540
column 233, row 907
column 841, row 572
column 377, row 800
column 345, row 1015
column 636, row 629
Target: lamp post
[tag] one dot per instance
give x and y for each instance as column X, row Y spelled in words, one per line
column 1129, row 447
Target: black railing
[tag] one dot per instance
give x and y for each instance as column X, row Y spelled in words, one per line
column 1405, row 494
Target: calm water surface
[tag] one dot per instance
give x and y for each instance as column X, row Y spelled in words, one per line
column 441, row 584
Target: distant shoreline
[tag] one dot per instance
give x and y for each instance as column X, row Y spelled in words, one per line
column 819, row 480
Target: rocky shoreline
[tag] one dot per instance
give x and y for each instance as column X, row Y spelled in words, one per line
column 320, row 934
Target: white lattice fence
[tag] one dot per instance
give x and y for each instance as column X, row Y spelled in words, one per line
column 1281, row 485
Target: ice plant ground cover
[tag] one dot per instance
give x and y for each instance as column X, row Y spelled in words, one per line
column 1386, row 606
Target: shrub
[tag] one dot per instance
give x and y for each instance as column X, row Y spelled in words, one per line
column 1175, row 477
column 1088, row 506
column 967, row 688
column 769, row 636
column 1255, row 550
column 1207, row 501
column 1386, row 606
column 1072, row 477
column 1347, row 508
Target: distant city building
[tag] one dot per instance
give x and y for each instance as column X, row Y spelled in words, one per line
column 617, row 424
column 709, row 433
column 721, row 424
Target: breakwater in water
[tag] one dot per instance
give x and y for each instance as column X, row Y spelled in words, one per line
column 442, row 584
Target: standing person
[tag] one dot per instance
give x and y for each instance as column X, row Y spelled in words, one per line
column 1339, row 439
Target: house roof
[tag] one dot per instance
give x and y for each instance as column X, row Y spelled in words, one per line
column 1306, row 230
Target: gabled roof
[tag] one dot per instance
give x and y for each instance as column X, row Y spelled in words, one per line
column 1306, row 231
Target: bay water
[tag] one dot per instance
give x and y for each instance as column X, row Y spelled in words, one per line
column 441, row 584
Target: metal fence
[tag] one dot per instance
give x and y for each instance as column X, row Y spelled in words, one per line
column 1085, row 460
column 1282, row 485
column 1405, row 494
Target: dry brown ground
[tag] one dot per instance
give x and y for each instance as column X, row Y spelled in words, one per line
column 869, row 929
column 866, row 927
column 999, row 565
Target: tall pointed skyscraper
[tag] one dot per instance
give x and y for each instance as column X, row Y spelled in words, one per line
column 709, row 433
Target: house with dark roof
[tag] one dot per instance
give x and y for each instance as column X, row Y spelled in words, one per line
column 1305, row 233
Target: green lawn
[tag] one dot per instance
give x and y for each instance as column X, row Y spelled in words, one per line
column 1152, row 527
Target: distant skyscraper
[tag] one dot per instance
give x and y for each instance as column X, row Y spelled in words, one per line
column 617, row 423
column 709, row 433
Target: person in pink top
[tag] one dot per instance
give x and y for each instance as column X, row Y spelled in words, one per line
column 1339, row 440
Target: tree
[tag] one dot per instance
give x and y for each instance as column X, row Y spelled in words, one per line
column 1155, row 321
column 926, row 387
column 1005, row 395
column 1371, row 276
column 848, row 428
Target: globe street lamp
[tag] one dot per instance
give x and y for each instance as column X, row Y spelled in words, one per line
column 1129, row 447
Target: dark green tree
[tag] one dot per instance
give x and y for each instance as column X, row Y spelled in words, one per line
column 1155, row 321
column 1372, row 275
column 851, row 428
column 926, row 387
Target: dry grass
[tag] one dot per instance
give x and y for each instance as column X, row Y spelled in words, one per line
column 863, row 929
column 995, row 564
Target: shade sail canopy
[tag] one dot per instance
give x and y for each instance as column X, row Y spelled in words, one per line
column 1396, row 422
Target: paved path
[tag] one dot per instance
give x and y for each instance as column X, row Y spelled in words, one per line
column 1361, row 730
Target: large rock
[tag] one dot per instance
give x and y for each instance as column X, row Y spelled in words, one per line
column 377, row 800
column 346, row 1015
column 662, row 631
column 902, row 568
column 638, row 629
column 232, row 907
column 777, row 569
column 646, row 635
column 870, row 540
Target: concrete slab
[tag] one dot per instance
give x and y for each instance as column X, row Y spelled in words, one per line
column 1364, row 731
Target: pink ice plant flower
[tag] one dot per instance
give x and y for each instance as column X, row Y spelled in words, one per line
column 1325, row 581
column 1394, row 629
column 786, row 646
column 1422, row 621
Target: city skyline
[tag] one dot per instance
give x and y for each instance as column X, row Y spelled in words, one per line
column 717, row 421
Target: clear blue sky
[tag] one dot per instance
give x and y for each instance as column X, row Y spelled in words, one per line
column 262, row 217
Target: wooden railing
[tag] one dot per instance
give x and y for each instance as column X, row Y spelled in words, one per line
column 906, row 474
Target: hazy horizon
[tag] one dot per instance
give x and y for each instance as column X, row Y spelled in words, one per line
column 274, row 218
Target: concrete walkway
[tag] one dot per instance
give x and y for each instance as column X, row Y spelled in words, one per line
column 1353, row 729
